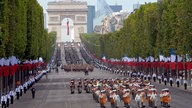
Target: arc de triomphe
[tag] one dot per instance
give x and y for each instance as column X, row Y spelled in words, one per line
column 68, row 19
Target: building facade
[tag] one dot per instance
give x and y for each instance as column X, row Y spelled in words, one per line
column 68, row 19
column 90, row 18
column 45, row 20
column 116, row 8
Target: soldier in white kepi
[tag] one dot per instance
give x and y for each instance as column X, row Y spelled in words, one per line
column 8, row 99
column 171, row 81
column 178, row 82
column 149, row 77
column 3, row 101
column 21, row 90
column 185, row 84
column 165, row 80
column 11, row 93
column 33, row 92
column 154, row 77
column 159, row 78
column 25, row 87
column 17, row 92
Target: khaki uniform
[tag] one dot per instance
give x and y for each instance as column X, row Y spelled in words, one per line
column 167, row 98
column 126, row 98
column 103, row 98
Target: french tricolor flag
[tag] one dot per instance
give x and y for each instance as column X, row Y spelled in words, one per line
column 104, row 59
column 67, row 27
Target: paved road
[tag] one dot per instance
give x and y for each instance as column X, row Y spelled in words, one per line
column 54, row 92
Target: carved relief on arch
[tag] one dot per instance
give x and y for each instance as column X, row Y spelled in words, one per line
column 54, row 29
column 81, row 29
column 67, row 16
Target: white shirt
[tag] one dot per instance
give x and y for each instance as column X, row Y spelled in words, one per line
column 153, row 96
column 101, row 95
column 21, row 87
column 165, row 79
column 112, row 96
column 141, row 74
column 117, row 98
column 25, row 85
column 185, row 81
column 161, row 94
column 11, row 93
column 138, row 97
column 8, row 96
column 97, row 92
column 126, row 94
column 17, row 89
column 148, row 76
column 154, row 75
column 178, row 80
column 159, row 77
column 3, row 98
column 171, row 79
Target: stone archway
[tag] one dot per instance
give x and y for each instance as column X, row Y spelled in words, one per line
column 67, row 30
column 75, row 11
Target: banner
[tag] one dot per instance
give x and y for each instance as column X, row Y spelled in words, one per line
column 189, row 65
column 180, row 65
column 1, row 71
column 13, row 69
column 67, row 27
column 6, row 71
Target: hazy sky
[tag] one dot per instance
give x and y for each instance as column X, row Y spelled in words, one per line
column 127, row 4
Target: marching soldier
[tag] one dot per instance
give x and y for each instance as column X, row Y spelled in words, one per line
column 116, row 98
column 33, row 92
column 143, row 98
column 72, row 86
column 21, row 90
column 127, row 98
column 167, row 98
column 171, row 81
column 154, row 77
column 86, row 70
column 159, row 78
column 161, row 97
column 103, row 99
column 94, row 90
column 149, row 77
column 97, row 92
column 8, row 99
column 11, row 93
column 17, row 92
column 185, row 84
column 178, row 82
column 138, row 99
column 29, row 83
column 145, row 77
column 148, row 97
column 165, row 80
column 153, row 97
column 25, row 86
column 112, row 99
column 3, row 101
column 141, row 75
